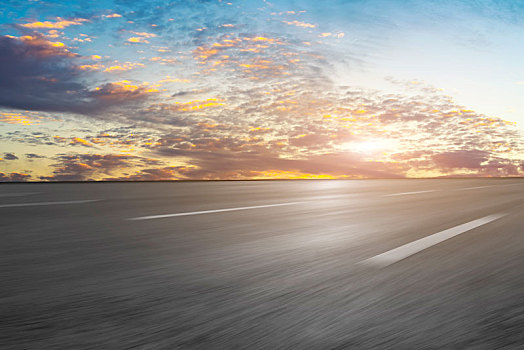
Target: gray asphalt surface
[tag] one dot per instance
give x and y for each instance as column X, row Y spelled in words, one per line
column 82, row 275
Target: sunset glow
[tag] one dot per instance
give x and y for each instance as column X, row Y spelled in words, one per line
column 256, row 89
column 371, row 146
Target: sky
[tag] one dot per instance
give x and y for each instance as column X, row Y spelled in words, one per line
column 241, row 89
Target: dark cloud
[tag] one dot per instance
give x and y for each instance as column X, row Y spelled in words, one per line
column 184, row 93
column 476, row 162
column 33, row 156
column 10, row 156
column 39, row 75
column 86, row 167
column 80, row 167
column 154, row 174
column 470, row 159
column 237, row 165
column 14, row 177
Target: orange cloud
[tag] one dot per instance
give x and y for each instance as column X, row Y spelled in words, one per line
column 224, row 54
column 197, row 104
column 137, row 40
column 53, row 34
column 123, row 90
column 203, row 53
column 282, row 174
column 337, row 35
column 82, row 40
column 258, row 66
column 252, row 44
column 90, row 67
column 14, row 177
column 261, row 38
column 59, row 138
column 259, row 130
column 168, row 79
column 84, row 166
column 16, row 118
column 144, row 34
column 59, row 24
column 207, row 125
column 42, row 47
column 79, row 141
column 123, row 67
column 163, row 60
column 300, row 24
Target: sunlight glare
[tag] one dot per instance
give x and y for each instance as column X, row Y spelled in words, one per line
column 369, row 146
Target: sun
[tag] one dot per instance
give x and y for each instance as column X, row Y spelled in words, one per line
column 369, row 146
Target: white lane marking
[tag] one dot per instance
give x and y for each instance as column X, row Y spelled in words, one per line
column 473, row 188
column 406, row 193
column 402, row 252
column 18, row 194
column 211, row 211
column 47, row 203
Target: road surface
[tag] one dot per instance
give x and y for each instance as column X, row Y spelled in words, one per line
column 371, row 264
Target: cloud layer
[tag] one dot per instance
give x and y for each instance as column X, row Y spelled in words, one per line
column 233, row 90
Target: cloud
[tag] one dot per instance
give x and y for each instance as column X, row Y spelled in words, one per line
column 261, row 100
column 80, row 141
column 35, row 45
column 254, row 57
column 300, row 24
column 10, row 156
column 153, row 174
column 137, row 40
column 18, row 118
column 482, row 163
column 245, row 165
column 195, row 105
column 37, row 75
column 213, row 166
column 144, row 34
column 470, row 159
column 34, row 156
column 87, row 167
column 14, row 177
column 81, row 167
column 123, row 67
column 95, row 66
column 296, row 124
column 60, row 23
column 121, row 91
column 113, row 15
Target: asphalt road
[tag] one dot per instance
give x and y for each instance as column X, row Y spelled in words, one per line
column 374, row 264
